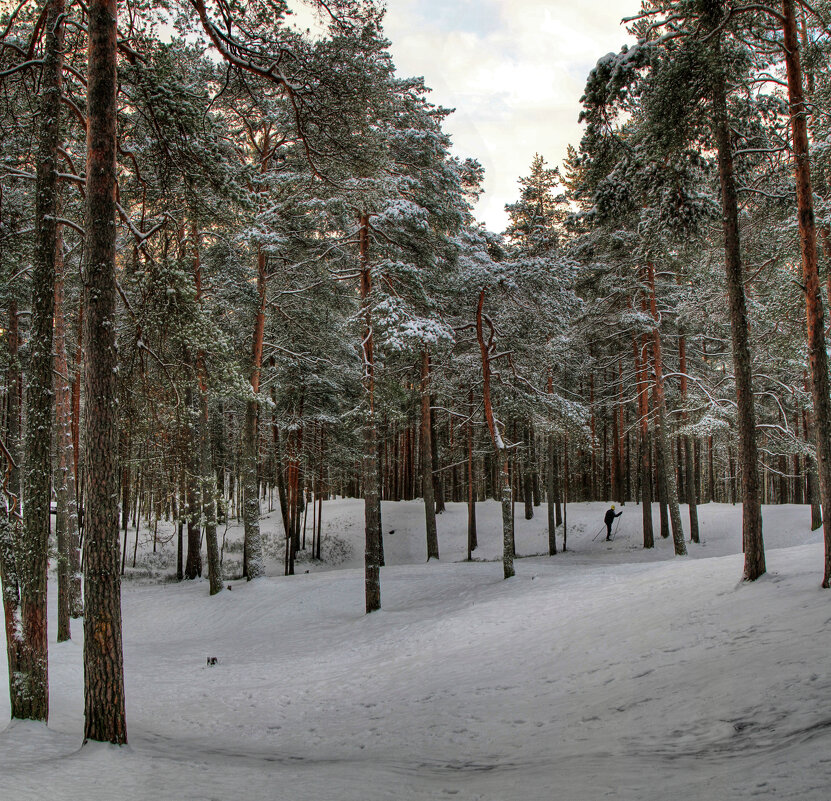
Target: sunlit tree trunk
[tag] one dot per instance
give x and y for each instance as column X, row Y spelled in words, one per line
column 817, row 354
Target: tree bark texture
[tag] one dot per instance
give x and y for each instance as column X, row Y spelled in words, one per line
column 11, row 525
column 253, row 549
column 104, row 713
column 37, row 472
column 817, row 354
column 754, row 551
column 372, row 506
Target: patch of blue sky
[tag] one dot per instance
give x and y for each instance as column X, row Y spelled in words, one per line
column 478, row 17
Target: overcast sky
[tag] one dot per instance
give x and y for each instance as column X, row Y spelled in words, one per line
column 514, row 70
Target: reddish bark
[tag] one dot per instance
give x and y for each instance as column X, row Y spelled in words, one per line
column 817, row 353
column 105, row 718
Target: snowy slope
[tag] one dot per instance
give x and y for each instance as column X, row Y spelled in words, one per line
column 605, row 672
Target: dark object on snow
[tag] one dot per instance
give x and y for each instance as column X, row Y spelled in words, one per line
column 212, row 661
column 609, row 519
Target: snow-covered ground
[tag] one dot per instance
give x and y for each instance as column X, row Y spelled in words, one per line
column 604, row 672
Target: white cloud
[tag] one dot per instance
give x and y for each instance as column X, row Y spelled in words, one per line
column 514, row 72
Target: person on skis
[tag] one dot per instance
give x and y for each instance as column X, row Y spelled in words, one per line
column 609, row 519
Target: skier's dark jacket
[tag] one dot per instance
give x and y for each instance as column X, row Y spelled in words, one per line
column 610, row 516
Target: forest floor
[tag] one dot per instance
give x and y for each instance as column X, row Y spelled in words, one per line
column 603, row 672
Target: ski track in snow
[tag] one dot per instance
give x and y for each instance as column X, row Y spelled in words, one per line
column 604, row 672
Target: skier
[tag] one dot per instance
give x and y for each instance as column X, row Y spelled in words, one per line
column 609, row 519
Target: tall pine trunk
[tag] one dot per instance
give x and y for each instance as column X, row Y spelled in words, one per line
column 817, row 354
column 372, row 505
column 471, row 488
column 193, row 563
column 486, row 349
column 662, row 424
column 253, row 547
column 11, row 525
column 206, row 468
column 645, row 443
column 689, row 468
column 427, row 460
column 66, row 519
column 104, row 713
column 37, row 472
column 754, row 550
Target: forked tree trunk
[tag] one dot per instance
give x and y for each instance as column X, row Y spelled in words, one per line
column 754, row 550
column 105, row 718
column 486, row 350
column 817, row 354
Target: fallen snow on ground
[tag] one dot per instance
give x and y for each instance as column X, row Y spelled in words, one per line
column 603, row 672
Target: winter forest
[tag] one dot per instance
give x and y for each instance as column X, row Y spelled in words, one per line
column 304, row 469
